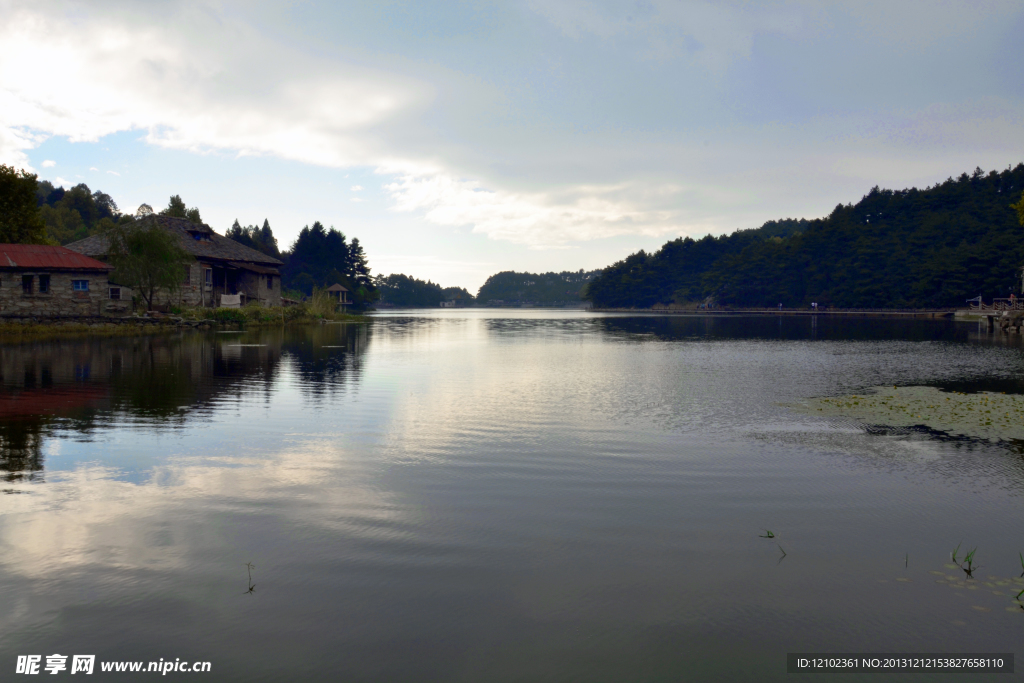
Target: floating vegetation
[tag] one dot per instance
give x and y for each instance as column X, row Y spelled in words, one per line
column 984, row 415
column 767, row 534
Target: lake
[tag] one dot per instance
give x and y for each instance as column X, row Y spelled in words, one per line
column 502, row 495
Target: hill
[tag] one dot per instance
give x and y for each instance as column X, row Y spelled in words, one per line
column 547, row 289
column 911, row 248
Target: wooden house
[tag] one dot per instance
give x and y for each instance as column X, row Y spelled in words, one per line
column 222, row 266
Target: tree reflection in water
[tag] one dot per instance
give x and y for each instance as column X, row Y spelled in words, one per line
column 157, row 381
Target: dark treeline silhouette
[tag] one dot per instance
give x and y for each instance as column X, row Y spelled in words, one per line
column 260, row 239
column 553, row 289
column 320, row 257
column 409, row 292
column 911, row 248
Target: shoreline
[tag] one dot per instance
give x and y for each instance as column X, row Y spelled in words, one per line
column 18, row 330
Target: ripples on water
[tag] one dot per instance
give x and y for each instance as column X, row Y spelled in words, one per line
column 499, row 495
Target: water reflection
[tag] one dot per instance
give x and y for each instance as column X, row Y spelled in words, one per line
column 499, row 496
column 789, row 328
column 157, row 382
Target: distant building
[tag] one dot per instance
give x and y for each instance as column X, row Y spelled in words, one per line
column 222, row 265
column 48, row 281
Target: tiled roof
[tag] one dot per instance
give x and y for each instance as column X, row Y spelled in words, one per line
column 262, row 270
column 46, row 257
column 217, row 247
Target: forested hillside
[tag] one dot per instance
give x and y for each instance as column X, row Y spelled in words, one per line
column 550, row 289
column 409, row 292
column 74, row 214
column 911, row 248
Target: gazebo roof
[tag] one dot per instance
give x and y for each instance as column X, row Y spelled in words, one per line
column 336, row 288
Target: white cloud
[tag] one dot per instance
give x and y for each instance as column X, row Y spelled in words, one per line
column 527, row 165
column 114, row 173
column 185, row 92
column 93, row 168
column 63, row 183
column 14, row 142
column 110, row 75
column 540, row 219
column 49, row 163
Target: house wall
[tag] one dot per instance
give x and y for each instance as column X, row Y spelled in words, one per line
column 254, row 286
column 195, row 292
column 61, row 299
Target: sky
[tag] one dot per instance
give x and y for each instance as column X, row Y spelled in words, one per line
column 460, row 139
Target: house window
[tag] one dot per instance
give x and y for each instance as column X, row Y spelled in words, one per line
column 270, row 282
column 115, row 293
column 80, row 285
column 44, row 284
column 26, row 284
column 209, row 277
column 188, row 275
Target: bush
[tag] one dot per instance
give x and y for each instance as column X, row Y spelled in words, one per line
column 229, row 315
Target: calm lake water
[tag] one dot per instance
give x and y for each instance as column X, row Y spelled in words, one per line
column 500, row 495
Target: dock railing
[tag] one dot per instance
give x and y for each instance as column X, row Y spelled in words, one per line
column 1013, row 304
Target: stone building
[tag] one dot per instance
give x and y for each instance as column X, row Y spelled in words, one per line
column 222, row 266
column 48, row 281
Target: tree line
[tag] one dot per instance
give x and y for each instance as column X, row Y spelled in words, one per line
column 405, row 291
column 550, row 289
column 935, row 247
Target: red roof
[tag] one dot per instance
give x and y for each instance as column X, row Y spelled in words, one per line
column 46, row 257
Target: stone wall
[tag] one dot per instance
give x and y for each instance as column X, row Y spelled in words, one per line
column 60, row 299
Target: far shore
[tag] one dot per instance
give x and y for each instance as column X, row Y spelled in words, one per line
column 859, row 312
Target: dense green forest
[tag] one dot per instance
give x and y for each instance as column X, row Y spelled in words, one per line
column 548, row 289
column 71, row 215
column 409, row 292
column 913, row 248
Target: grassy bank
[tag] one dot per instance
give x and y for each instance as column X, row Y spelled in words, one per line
column 192, row 318
column 319, row 308
column 37, row 331
column 250, row 316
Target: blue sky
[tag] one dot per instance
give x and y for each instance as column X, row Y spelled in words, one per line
column 459, row 139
